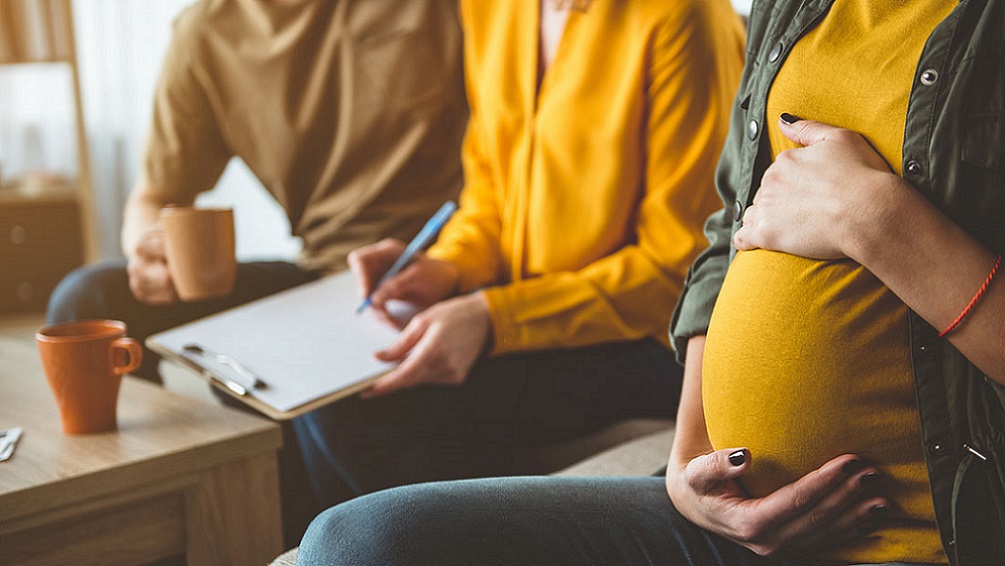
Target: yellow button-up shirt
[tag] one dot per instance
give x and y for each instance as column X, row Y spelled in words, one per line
column 585, row 192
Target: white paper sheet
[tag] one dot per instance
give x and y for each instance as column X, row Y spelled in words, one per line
column 304, row 343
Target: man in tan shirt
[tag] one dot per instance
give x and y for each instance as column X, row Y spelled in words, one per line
column 349, row 112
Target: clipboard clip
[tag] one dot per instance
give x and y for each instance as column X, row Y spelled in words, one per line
column 8, row 442
column 193, row 350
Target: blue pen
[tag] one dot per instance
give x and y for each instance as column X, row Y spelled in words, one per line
column 420, row 241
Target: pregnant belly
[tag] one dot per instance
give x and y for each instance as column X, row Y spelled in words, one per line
column 806, row 360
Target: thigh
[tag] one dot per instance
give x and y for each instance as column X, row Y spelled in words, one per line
column 432, row 433
column 555, row 395
column 102, row 291
column 546, row 520
column 357, row 446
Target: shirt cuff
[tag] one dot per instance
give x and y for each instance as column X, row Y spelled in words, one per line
column 505, row 334
column 694, row 310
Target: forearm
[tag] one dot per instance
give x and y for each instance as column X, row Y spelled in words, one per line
column 691, row 436
column 470, row 240
column 935, row 267
column 621, row 297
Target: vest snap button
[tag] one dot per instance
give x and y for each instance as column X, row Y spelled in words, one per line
column 776, row 51
column 929, row 77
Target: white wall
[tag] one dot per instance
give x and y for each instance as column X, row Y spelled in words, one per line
column 34, row 121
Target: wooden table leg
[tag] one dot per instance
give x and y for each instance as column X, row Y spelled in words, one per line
column 234, row 514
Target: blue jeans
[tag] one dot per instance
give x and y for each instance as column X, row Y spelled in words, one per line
column 479, row 429
column 548, row 521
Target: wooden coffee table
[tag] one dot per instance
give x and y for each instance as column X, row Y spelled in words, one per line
column 181, row 481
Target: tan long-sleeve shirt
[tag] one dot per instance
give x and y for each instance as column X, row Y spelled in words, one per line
column 350, row 113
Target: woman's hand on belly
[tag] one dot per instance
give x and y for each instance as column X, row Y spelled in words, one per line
column 813, row 199
column 829, row 506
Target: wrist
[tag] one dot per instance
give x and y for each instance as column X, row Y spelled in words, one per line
column 449, row 276
column 870, row 226
column 678, row 490
column 480, row 304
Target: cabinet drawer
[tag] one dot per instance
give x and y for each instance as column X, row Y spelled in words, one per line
column 39, row 244
column 26, row 231
column 24, row 295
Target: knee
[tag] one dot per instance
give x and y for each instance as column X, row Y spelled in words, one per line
column 85, row 293
column 355, row 532
column 388, row 527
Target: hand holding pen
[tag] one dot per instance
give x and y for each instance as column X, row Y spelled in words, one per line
column 391, row 270
column 444, row 339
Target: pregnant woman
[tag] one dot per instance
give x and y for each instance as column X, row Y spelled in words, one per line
column 844, row 332
column 854, row 322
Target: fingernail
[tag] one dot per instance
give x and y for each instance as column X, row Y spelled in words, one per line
column 737, row 458
column 851, row 466
column 869, row 479
column 877, row 509
column 789, row 118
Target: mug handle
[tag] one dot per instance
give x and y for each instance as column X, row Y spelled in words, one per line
column 133, row 352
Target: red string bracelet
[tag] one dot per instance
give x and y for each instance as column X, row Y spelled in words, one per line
column 973, row 301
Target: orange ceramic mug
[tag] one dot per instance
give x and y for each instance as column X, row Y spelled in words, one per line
column 84, row 362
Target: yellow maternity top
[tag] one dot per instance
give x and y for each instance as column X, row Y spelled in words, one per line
column 585, row 196
column 806, row 360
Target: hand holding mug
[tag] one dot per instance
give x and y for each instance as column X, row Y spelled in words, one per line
column 149, row 277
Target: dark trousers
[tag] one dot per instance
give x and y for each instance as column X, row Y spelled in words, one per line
column 102, row 291
column 547, row 521
column 428, row 433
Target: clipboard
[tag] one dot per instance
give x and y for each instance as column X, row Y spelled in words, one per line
column 306, row 344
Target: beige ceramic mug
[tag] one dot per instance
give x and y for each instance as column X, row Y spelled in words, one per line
column 84, row 362
column 199, row 245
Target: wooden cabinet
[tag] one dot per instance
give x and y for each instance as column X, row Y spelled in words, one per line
column 40, row 242
column 43, row 233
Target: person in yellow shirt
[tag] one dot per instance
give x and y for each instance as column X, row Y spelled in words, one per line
column 544, row 305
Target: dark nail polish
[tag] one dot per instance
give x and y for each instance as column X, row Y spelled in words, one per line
column 852, row 466
column 877, row 509
column 789, row 118
column 870, row 479
column 737, row 458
